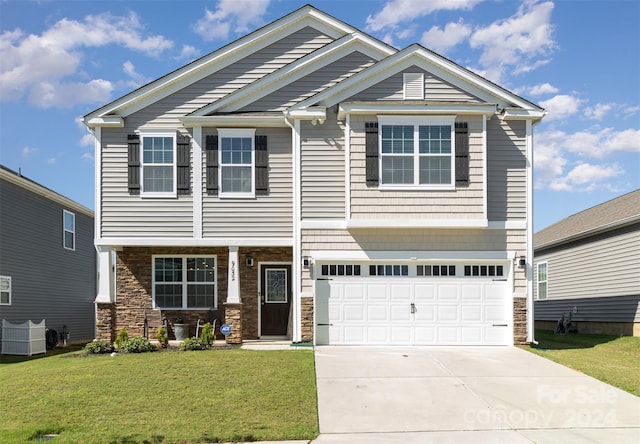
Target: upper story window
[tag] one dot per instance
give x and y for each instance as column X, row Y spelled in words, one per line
column 542, row 280
column 158, row 176
column 237, row 162
column 5, row 290
column 69, row 230
column 416, row 153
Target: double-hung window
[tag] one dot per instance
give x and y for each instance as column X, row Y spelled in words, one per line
column 183, row 282
column 5, row 290
column 69, row 230
column 542, row 280
column 237, row 162
column 417, row 152
column 158, row 176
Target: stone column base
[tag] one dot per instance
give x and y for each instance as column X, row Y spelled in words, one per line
column 233, row 317
column 106, row 321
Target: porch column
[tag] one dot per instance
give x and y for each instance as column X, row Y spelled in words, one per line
column 105, row 275
column 233, row 307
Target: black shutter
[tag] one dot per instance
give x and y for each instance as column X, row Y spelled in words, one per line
column 462, row 154
column 134, row 163
column 371, row 143
column 183, row 162
column 211, row 151
column 262, row 166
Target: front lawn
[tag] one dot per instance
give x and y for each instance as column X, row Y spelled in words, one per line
column 161, row 397
column 611, row 359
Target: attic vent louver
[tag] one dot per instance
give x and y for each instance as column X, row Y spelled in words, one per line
column 413, row 86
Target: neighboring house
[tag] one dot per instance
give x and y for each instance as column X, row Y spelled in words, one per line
column 47, row 258
column 311, row 182
column 588, row 267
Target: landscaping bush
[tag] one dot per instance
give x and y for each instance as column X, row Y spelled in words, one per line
column 99, row 347
column 123, row 336
column 162, row 337
column 207, row 336
column 193, row 344
column 138, row 344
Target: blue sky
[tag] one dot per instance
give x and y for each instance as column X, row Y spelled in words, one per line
column 579, row 59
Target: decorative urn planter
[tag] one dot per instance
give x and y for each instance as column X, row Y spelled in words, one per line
column 181, row 330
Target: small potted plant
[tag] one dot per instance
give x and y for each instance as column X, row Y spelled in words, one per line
column 180, row 329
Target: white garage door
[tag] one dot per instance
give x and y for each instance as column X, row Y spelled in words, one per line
column 406, row 311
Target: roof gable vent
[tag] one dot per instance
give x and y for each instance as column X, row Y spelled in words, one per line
column 413, row 86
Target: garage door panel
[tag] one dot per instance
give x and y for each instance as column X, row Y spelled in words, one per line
column 409, row 310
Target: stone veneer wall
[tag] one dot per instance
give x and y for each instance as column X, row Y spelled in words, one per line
column 307, row 319
column 520, row 321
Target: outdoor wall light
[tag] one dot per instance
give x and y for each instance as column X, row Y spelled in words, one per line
column 522, row 262
column 248, row 260
column 306, row 262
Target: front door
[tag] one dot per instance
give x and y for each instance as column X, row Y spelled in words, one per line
column 275, row 299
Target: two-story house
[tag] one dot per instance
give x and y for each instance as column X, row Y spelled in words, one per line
column 309, row 181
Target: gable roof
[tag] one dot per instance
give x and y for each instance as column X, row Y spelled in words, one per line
column 606, row 216
column 30, row 185
column 436, row 64
column 218, row 59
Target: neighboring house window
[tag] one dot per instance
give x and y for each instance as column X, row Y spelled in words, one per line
column 5, row 290
column 237, row 162
column 181, row 282
column 69, row 230
column 542, row 280
column 417, row 153
column 158, row 175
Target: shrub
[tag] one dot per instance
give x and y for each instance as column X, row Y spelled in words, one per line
column 138, row 344
column 99, row 347
column 192, row 344
column 162, row 337
column 207, row 336
column 122, row 338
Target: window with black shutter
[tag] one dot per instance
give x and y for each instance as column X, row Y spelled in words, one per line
column 462, row 154
column 262, row 166
column 184, row 165
column 371, row 142
column 133, row 164
column 211, row 153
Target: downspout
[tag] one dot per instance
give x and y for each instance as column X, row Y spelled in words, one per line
column 295, row 267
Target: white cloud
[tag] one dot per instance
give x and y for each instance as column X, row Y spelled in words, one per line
column 522, row 42
column 542, row 89
column 137, row 79
column 395, row 12
column 599, row 111
column 188, row 52
column 27, row 151
column 561, row 106
column 587, row 177
column 42, row 64
column 87, row 140
column 442, row 40
column 236, row 15
column 87, row 156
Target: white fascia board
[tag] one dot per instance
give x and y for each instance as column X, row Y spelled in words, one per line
column 191, row 242
column 507, row 225
column 399, row 107
column 295, row 71
column 431, row 62
column 105, row 122
column 234, row 121
column 461, row 255
column 311, row 113
column 417, row 223
column 223, row 57
column 511, row 113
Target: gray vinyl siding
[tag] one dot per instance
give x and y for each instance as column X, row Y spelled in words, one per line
column 506, row 172
column 414, row 240
column 165, row 113
column 436, row 89
column 269, row 216
column 313, row 83
column 322, row 170
column 47, row 281
column 125, row 215
column 374, row 203
column 602, row 309
column 608, row 265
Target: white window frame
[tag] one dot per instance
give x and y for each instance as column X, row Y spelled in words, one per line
column 545, row 282
column 417, row 122
column 184, row 281
column 174, row 165
column 246, row 133
column 65, row 231
column 5, row 280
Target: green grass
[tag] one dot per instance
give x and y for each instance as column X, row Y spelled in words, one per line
column 611, row 359
column 162, row 397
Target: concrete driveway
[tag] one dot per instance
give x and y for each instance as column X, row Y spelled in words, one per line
column 465, row 395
